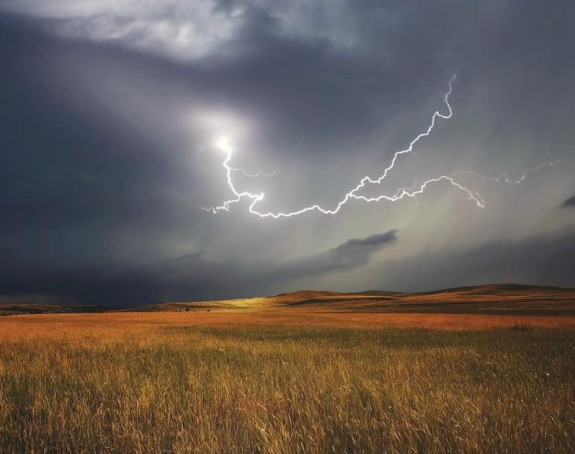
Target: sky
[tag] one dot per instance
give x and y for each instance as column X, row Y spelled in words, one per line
column 119, row 120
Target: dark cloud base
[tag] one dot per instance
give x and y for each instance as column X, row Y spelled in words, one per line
column 570, row 202
column 187, row 278
column 543, row 260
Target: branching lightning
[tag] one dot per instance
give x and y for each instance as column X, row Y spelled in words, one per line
column 504, row 177
column 254, row 175
column 353, row 194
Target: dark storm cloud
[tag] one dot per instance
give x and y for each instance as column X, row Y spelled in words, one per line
column 190, row 277
column 96, row 184
column 547, row 259
column 78, row 182
column 349, row 255
column 570, row 202
column 79, row 187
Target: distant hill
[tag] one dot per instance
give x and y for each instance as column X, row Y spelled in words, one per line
column 485, row 299
column 479, row 299
column 18, row 308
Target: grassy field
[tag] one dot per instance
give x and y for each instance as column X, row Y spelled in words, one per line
column 184, row 382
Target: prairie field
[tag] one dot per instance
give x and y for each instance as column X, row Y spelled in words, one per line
column 286, row 383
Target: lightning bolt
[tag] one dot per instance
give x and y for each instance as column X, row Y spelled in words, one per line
column 353, row 194
column 504, row 177
column 254, row 175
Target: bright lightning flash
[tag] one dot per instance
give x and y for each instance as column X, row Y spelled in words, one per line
column 353, row 194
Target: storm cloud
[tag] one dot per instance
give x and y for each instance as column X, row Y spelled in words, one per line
column 570, row 202
column 177, row 279
column 547, row 259
column 109, row 112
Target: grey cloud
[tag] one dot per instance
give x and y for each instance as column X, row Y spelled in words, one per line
column 570, row 202
column 349, row 255
column 181, row 30
column 80, row 185
column 547, row 259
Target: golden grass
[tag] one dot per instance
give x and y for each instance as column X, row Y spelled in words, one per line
column 283, row 382
column 285, row 317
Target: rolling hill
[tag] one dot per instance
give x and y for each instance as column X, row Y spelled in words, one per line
column 19, row 308
column 501, row 299
column 482, row 299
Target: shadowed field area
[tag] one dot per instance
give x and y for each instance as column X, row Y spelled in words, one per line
column 297, row 381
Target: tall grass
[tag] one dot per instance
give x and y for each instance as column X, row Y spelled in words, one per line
column 283, row 390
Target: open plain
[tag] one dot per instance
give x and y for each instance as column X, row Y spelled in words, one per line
column 474, row 370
